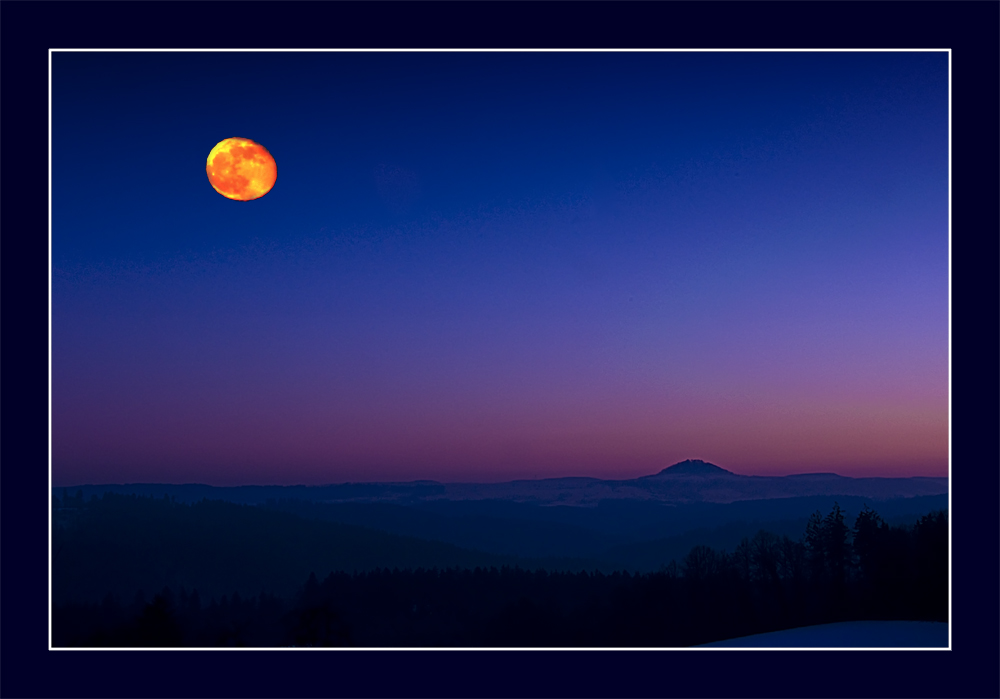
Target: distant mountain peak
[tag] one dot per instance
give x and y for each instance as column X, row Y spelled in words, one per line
column 695, row 467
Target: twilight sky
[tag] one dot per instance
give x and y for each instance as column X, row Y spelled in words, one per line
column 488, row 266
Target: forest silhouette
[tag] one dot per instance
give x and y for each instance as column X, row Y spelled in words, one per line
column 451, row 597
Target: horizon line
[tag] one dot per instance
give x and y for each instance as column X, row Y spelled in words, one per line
column 430, row 481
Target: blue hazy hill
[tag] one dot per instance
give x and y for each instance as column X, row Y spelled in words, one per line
column 634, row 534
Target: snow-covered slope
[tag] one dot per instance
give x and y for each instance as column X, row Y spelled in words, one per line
column 848, row 634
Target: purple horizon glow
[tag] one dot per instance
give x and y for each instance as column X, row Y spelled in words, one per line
column 546, row 398
column 487, row 287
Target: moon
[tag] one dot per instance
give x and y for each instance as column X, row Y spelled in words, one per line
column 241, row 169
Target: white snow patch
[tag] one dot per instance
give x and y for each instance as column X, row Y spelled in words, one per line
column 848, row 634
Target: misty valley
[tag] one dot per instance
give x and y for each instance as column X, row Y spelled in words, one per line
column 193, row 566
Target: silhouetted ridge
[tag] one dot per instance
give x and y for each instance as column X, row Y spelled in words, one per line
column 695, row 467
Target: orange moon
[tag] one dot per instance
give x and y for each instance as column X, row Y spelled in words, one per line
column 241, row 169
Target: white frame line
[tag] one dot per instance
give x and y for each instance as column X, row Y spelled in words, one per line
column 505, row 50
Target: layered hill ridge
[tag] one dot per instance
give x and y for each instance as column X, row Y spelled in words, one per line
column 689, row 481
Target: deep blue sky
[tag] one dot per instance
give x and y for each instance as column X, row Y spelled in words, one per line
column 482, row 266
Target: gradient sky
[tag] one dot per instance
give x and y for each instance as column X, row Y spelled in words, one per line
column 487, row 266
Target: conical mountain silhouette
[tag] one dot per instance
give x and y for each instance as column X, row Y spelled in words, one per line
column 695, row 467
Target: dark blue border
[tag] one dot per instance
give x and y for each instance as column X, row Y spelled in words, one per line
column 969, row 28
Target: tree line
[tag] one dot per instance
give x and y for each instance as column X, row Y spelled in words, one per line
column 832, row 573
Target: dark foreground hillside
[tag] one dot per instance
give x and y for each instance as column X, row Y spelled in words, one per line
column 122, row 544
column 832, row 573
